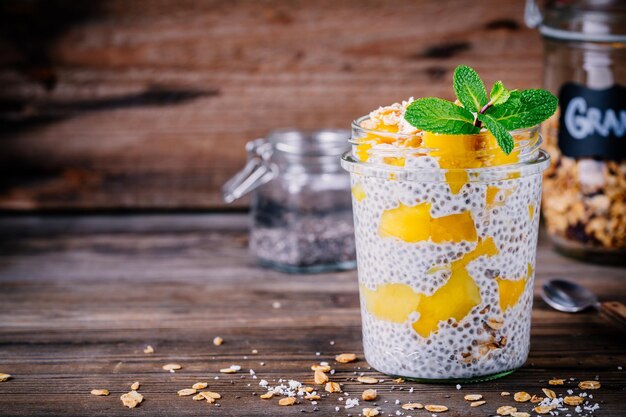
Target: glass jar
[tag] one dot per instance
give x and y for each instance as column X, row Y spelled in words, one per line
column 301, row 209
column 446, row 232
column 584, row 203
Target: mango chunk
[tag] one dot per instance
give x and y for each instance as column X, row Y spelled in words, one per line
column 392, row 160
column 455, row 299
column 358, row 193
column 362, row 151
column 510, row 291
column 466, row 152
column 531, row 211
column 491, row 199
column 456, row 180
column 415, row 224
column 391, row 302
column 492, row 192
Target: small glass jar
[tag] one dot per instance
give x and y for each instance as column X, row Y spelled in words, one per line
column 446, row 231
column 584, row 199
column 301, row 209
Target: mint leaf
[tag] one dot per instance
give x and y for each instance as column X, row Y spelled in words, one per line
column 469, row 88
column 502, row 135
column 440, row 116
column 499, row 94
column 523, row 109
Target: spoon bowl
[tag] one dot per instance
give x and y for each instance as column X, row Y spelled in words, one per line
column 568, row 296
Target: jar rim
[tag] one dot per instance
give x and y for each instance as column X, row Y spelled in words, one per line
column 356, row 125
column 320, row 142
column 484, row 174
column 526, row 148
column 531, row 158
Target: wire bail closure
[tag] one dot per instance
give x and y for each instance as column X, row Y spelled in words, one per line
column 258, row 171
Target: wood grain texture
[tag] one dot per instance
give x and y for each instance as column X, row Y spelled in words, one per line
column 148, row 104
column 80, row 301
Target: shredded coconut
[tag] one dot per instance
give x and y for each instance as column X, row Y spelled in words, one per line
column 351, row 402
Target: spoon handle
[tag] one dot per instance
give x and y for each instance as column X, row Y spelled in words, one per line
column 615, row 312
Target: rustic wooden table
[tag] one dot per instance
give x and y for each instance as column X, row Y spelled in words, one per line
column 83, row 296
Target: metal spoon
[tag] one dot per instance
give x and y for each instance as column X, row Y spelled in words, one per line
column 570, row 297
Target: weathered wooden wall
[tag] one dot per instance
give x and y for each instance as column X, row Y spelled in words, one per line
column 147, row 104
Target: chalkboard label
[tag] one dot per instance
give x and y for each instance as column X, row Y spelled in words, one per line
column 592, row 122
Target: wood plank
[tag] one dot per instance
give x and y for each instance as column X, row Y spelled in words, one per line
column 80, row 303
column 111, row 105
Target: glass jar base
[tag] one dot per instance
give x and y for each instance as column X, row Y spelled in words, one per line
column 483, row 378
column 308, row 269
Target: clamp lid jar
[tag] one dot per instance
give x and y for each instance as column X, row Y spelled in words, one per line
column 584, row 199
column 301, row 206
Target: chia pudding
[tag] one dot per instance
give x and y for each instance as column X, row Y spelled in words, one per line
column 446, row 233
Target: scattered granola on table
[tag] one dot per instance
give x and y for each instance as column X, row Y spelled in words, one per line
column 287, row 401
column 367, row 380
column 186, row 392
column 172, row 367
column 369, row 395
column 131, row 399
column 589, row 385
column 434, row 408
column 345, row 358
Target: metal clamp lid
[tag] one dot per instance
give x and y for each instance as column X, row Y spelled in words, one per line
column 258, row 171
column 592, row 25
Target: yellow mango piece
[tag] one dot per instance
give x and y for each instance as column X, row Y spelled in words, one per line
column 387, row 128
column 456, row 180
column 486, row 247
column 391, row 160
column 510, row 291
column 362, row 151
column 391, row 302
column 368, row 141
column 357, row 192
column 531, row 211
column 455, row 299
column 466, row 152
column 492, row 192
column 415, row 224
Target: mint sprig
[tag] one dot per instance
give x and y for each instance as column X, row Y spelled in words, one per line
column 469, row 88
column 525, row 109
column 504, row 110
column 438, row 115
column 502, row 135
column 499, row 94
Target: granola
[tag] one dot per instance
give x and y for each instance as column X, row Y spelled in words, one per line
column 369, row 395
column 589, row 384
column 584, row 200
column 367, row 380
column 131, row 399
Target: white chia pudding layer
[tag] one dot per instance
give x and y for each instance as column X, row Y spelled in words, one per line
column 487, row 339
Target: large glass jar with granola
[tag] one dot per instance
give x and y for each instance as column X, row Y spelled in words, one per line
column 584, row 199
